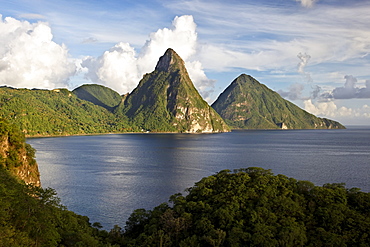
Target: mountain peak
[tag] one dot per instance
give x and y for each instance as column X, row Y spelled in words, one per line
column 246, row 79
column 169, row 61
column 167, row 101
column 249, row 104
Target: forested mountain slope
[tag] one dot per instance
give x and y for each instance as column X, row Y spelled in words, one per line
column 248, row 104
column 99, row 95
column 56, row 112
column 167, row 101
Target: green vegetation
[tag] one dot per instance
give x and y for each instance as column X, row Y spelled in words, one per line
column 172, row 104
column 247, row 207
column 164, row 101
column 99, row 95
column 253, row 207
column 16, row 155
column 56, row 112
column 31, row 215
column 248, row 104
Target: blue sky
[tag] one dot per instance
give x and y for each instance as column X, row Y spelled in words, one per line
column 315, row 53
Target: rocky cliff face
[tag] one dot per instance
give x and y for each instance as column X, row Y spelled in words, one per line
column 17, row 156
column 248, row 104
column 167, row 101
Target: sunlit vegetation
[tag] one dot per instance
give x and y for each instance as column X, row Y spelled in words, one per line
column 16, row 156
column 167, row 101
column 253, row 207
column 31, row 215
column 56, row 112
column 99, row 95
column 247, row 207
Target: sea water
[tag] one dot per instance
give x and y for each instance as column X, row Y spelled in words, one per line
column 106, row 177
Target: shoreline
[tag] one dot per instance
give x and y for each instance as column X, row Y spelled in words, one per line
column 351, row 127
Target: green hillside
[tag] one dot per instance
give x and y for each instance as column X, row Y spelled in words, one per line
column 99, row 95
column 248, row 104
column 166, row 100
column 56, row 112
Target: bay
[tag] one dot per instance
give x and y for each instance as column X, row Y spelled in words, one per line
column 106, row 177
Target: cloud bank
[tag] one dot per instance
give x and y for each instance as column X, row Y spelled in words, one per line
column 349, row 90
column 330, row 109
column 29, row 58
column 121, row 68
column 325, row 105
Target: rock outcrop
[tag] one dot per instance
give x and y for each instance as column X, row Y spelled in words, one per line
column 16, row 155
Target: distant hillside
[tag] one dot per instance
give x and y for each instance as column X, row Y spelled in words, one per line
column 56, row 112
column 248, row 104
column 99, row 95
column 166, row 100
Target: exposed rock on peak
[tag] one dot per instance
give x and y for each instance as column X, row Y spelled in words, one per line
column 170, row 61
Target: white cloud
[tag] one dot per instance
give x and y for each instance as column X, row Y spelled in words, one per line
column 307, row 3
column 121, row 69
column 116, row 68
column 29, row 58
column 267, row 37
column 331, row 110
column 32, row 16
column 302, row 64
column 182, row 37
column 202, row 83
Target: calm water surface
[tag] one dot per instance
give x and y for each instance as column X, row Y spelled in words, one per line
column 106, row 177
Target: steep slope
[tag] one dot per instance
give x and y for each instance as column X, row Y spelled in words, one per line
column 248, row 104
column 16, row 156
column 98, row 95
column 56, row 112
column 167, row 101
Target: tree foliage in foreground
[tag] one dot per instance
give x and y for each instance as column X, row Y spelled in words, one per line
column 33, row 216
column 253, row 207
